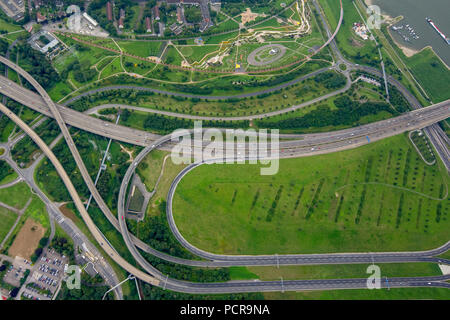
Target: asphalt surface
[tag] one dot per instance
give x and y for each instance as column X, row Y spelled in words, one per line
column 187, row 95
column 62, row 173
column 142, row 138
column 263, row 286
column 158, row 278
column 165, row 282
column 79, row 239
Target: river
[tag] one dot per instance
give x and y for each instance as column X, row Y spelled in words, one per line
column 414, row 13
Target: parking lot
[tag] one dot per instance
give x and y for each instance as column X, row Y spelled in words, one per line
column 13, row 8
column 15, row 273
column 48, row 273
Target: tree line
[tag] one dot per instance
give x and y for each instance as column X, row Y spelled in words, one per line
column 348, row 112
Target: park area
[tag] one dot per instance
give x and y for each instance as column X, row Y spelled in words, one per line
column 7, row 219
column 380, row 197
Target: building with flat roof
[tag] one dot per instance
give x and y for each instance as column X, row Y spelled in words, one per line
column 148, row 24
column 156, row 13
column 109, row 10
column 90, row 19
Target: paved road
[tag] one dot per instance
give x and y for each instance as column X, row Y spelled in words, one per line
column 227, row 260
column 143, row 138
column 62, row 173
column 243, row 286
column 174, row 284
column 324, row 142
column 158, row 279
column 79, row 239
column 205, row 97
column 237, row 118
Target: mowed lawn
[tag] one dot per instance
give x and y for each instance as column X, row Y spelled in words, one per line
column 432, row 74
column 16, row 196
column 349, row 201
column 7, row 219
column 349, row 42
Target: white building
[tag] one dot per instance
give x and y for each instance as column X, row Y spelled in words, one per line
column 90, row 19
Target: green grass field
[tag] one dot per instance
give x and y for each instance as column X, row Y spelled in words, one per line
column 7, row 219
column 9, row 178
column 364, row 294
column 380, row 197
column 336, row 271
column 38, row 212
column 351, row 45
column 422, row 143
column 16, row 196
column 136, row 201
column 432, row 74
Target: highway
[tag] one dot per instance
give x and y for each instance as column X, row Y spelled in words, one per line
column 233, row 260
column 227, row 287
column 143, row 138
column 263, row 286
column 62, row 173
column 344, row 139
column 329, row 142
column 79, row 239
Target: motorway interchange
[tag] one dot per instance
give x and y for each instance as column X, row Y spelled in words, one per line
column 298, row 145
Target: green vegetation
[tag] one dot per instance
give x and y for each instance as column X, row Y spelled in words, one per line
column 38, row 212
column 424, row 67
column 7, row 219
column 91, row 289
column 155, row 293
column 346, row 113
column 379, row 197
column 352, row 46
column 36, row 64
column 242, row 273
column 155, row 231
column 432, row 74
column 136, row 201
column 347, row 271
column 364, row 294
column 281, row 99
column 25, row 151
column 7, row 174
column 422, row 143
column 91, row 148
column 63, row 246
column 16, row 196
column 193, row 14
column 187, row 273
column 6, row 128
